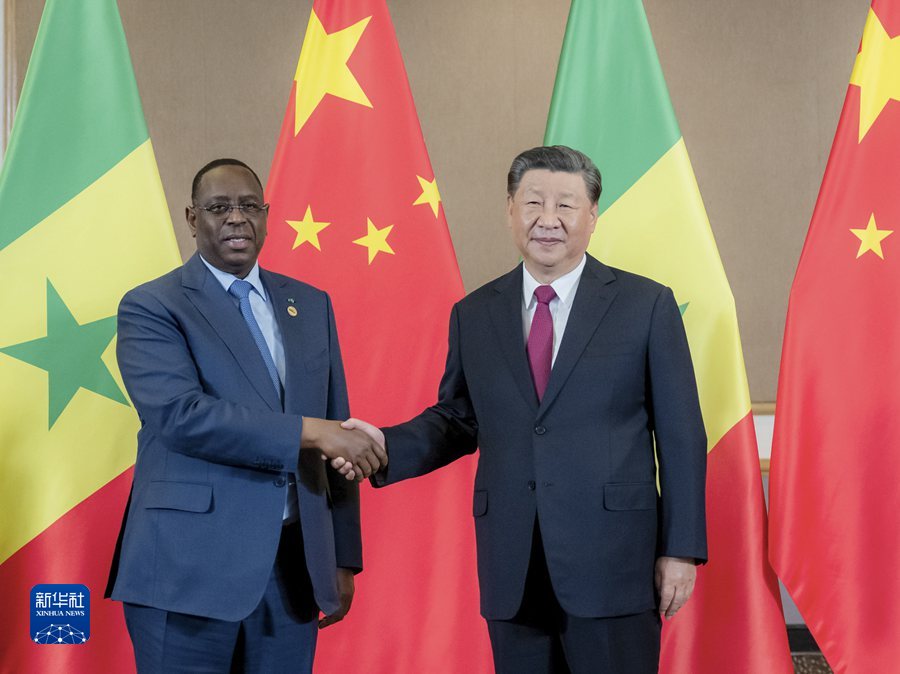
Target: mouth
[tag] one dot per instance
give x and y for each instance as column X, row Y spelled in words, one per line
column 546, row 240
column 237, row 241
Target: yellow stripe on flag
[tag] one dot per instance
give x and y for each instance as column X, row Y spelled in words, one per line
column 658, row 228
column 112, row 236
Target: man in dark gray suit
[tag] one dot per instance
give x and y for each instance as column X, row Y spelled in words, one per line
column 567, row 373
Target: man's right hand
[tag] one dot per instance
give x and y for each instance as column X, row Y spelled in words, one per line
column 345, row 468
column 343, row 446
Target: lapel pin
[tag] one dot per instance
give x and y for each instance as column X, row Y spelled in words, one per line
column 292, row 311
column 290, row 300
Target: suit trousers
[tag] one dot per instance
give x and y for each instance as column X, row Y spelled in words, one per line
column 278, row 636
column 543, row 639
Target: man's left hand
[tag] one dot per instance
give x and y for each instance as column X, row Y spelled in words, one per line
column 345, row 590
column 675, row 578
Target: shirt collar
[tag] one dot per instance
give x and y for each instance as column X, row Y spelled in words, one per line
column 225, row 279
column 564, row 286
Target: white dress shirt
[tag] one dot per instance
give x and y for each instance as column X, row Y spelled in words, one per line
column 265, row 318
column 560, row 306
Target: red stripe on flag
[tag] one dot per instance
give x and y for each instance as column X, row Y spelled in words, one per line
column 77, row 548
column 733, row 622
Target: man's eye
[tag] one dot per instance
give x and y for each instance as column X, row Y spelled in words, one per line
column 217, row 209
column 251, row 207
column 565, row 206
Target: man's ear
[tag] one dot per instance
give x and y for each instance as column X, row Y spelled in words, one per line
column 191, row 216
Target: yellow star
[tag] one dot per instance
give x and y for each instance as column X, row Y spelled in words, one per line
column 376, row 240
column 876, row 72
column 307, row 229
column 871, row 238
column 430, row 194
column 322, row 68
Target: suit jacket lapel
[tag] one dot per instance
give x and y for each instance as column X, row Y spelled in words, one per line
column 218, row 308
column 506, row 316
column 297, row 336
column 596, row 291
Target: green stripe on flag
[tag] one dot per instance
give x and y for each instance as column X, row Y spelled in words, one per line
column 617, row 121
column 67, row 133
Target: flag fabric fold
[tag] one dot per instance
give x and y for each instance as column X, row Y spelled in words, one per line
column 834, row 501
column 611, row 102
column 356, row 211
column 83, row 218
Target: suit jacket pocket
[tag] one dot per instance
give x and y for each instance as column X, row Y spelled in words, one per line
column 189, row 496
column 479, row 503
column 630, row 496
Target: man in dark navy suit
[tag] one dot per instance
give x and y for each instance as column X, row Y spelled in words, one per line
column 237, row 533
column 566, row 373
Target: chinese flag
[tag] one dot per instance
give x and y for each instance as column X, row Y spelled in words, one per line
column 834, row 495
column 356, row 211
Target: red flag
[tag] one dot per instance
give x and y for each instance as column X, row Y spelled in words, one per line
column 355, row 210
column 835, row 501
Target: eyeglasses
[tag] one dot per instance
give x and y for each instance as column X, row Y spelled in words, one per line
column 219, row 210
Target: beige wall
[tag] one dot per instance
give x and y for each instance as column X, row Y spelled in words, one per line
column 757, row 87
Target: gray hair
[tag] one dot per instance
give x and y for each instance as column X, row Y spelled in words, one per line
column 555, row 158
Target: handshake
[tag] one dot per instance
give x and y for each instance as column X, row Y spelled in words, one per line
column 354, row 448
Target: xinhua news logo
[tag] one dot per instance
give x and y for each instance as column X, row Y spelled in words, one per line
column 60, row 614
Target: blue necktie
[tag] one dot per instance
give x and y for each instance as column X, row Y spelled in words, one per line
column 241, row 289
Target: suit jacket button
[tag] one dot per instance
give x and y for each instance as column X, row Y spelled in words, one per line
column 279, row 481
column 540, row 430
column 531, row 485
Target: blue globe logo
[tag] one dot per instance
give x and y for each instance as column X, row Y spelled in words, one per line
column 60, row 634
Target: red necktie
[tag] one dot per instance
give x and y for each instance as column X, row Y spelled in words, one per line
column 540, row 340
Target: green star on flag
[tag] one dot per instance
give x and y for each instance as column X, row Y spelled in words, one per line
column 71, row 355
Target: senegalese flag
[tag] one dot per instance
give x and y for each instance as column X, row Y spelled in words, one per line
column 83, row 219
column 834, row 495
column 356, row 211
column 611, row 102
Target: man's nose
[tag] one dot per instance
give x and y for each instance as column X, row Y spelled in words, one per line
column 548, row 216
column 234, row 215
